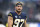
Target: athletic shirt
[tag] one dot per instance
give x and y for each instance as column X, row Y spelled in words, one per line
column 18, row 20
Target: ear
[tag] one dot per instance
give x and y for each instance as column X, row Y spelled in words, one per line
column 22, row 7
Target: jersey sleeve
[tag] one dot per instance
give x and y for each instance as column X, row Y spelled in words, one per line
column 10, row 14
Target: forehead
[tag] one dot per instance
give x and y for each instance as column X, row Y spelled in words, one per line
column 19, row 5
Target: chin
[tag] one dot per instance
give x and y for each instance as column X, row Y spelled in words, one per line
column 19, row 11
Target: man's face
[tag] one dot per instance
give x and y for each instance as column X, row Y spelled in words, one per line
column 18, row 8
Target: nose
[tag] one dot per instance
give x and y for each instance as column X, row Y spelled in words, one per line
column 19, row 7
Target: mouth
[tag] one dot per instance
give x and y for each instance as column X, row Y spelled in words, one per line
column 19, row 9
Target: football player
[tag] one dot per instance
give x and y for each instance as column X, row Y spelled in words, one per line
column 17, row 18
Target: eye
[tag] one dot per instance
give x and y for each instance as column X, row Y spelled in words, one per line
column 18, row 6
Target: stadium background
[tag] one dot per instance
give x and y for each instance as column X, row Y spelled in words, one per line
column 30, row 7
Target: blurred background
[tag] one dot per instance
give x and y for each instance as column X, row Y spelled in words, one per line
column 30, row 7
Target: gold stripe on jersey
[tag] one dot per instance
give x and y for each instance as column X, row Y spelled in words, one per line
column 10, row 14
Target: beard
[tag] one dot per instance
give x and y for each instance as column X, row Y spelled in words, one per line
column 18, row 11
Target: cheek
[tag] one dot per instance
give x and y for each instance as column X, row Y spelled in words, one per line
column 16, row 7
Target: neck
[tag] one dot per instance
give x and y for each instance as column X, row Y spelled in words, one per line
column 18, row 12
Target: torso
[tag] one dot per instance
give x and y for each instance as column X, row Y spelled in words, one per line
column 18, row 20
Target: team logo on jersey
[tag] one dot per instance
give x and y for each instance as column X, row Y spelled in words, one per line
column 15, row 16
column 19, row 16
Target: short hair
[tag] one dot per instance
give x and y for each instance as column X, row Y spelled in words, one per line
column 18, row 3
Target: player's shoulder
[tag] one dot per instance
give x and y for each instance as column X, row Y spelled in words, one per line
column 23, row 13
column 11, row 13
